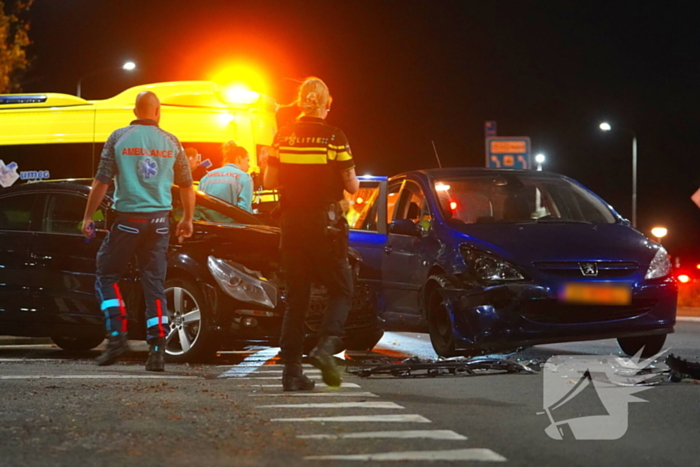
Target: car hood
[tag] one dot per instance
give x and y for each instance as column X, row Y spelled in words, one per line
column 530, row 243
column 236, row 241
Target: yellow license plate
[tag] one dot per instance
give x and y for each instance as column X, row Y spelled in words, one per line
column 596, row 294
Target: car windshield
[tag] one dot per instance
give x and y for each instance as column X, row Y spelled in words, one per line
column 518, row 198
column 211, row 209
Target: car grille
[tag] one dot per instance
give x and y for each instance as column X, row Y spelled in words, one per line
column 572, row 269
column 553, row 312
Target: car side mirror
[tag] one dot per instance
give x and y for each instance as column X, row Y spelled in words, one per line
column 405, row 227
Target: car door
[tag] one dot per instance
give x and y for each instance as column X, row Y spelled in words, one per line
column 18, row 215
column 405, row 268
column 366, row 215
column 65, row 261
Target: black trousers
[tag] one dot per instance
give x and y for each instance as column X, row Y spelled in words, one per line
column 313, row 254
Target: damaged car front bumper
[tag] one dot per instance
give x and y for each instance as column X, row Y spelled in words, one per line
column 512, row 315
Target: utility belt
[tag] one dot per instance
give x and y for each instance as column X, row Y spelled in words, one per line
column 302, row 225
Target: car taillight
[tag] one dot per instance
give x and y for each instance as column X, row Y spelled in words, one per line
column 683, row 278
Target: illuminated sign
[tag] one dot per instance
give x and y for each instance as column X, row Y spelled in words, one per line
column 508, row 152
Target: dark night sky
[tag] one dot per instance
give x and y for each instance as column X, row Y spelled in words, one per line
column 404, row 73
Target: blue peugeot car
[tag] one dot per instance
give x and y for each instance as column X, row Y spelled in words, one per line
column 493, row 259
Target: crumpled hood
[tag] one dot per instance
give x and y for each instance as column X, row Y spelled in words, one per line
column 528, row 243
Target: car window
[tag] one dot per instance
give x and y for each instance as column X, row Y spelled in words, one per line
column 392, row 198
column 518, row 198
column 16, row 212
column 64, row 214
column 211, row 209
column 413, row 205
column 360, row 209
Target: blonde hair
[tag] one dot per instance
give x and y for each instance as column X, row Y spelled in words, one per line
column 313, row 96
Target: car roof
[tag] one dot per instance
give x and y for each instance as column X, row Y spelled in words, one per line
column 450, row 172
column 72, row 184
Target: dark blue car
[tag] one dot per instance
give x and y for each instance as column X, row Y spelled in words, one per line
column 493, row 259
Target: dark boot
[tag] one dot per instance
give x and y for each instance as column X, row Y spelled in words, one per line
column 116, row 346
column 322, row 358
column 156, row 355
column 294, row 379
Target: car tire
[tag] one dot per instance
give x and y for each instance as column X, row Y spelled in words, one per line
column 651, row 344
column 77, row 344
column 191, row 337
column 439, row 322
column 363, row 343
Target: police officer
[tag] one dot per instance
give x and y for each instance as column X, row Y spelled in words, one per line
column 144, row 161
column 232, row 183
column 310, row 162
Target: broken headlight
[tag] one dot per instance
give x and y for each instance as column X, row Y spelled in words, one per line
column 489, row 267
column 660, row 266
column 241, row 283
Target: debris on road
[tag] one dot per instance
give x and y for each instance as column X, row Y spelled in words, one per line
column 416, row 367
column 680, row 369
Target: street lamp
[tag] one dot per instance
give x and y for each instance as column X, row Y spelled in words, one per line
column 128, row 66
column 659, row 232
column 606, row 127
column 539, row 158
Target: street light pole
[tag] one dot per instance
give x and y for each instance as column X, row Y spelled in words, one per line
column 606, row 127
column 634, row 179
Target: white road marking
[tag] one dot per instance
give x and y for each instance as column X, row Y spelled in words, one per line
column 316, row 377
column 336, row 405
column 97, row 377
column 693, row 319
column 317, row 394
column 251, row 363
column 473, row 454
column 29, row 360
column 411, row 418
column 406, row 434
column 279, row 372
column 318, row 384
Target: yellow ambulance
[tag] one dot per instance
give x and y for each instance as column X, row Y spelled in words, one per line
column 58, row 136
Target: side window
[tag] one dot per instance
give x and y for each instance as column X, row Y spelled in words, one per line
column 16, row 212
column 64, row 213
column 414, row 206
column 392, row 199
column 360, row 209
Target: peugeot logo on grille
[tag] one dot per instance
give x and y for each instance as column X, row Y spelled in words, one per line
column 588, row 269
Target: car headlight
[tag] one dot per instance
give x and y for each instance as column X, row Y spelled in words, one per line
column 489, row 267
column 660, row 266
column 242, row 285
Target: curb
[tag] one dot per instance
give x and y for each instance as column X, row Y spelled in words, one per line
column 12, row 340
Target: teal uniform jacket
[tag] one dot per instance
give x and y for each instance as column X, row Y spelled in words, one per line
column 144, row 162
column 230, row 184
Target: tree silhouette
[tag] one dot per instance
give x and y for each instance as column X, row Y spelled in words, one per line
column 14, row 40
